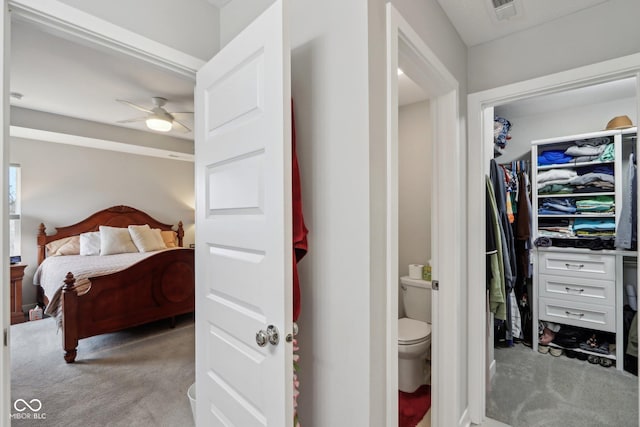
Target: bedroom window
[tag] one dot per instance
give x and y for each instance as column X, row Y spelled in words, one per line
column 14, row 210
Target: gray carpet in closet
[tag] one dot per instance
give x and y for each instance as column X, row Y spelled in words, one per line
column 539, row 390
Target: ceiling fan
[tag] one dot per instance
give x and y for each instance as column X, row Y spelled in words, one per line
column 157, row 117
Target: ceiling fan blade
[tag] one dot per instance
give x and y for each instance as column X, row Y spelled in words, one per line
column 137, row 107
column 138, row 119
column 180, row 127
column 182, row 112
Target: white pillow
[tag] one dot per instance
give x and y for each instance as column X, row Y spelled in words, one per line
column 115, row 240
column 146, row 239
column 90, row 243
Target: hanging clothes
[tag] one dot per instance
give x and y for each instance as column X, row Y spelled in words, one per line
column 523, row 227
column 300, row 230
column 511, row 196
column 495, row 260
column 300, row 247
column 523, row 223
column 626, row 232
column 498, row 183
column 498, row 180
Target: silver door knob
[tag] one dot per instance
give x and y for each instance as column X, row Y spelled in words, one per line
column 271, row 335
column 261, row 338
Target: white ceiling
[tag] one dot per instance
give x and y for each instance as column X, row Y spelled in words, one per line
column 601, row 93
column 219, row 3
column 476, row 21
column 409, row 91
column 63, row 77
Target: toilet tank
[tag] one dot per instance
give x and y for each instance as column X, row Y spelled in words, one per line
column 416, row 298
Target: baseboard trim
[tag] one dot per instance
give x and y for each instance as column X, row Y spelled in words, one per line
column 465, row 419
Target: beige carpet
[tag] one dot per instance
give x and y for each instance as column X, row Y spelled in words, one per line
column 137, row 377
column 538, row 390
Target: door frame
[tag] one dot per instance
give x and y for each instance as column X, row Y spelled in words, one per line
column 405, row 45
column 480, row 146
column 5, row 296
column 74, row 24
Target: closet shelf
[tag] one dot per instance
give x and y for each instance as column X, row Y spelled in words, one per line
column 622, row 252
column 574, row 165
column 583, row 215
column 612, row 355
column 544, row 196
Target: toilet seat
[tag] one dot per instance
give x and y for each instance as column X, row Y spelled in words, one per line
column 411, row 331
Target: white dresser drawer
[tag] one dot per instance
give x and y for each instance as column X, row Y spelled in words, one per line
column 596, row 266
column 577, row 289
column 591, row 316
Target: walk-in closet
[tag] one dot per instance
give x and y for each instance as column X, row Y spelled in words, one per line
column 562, row 258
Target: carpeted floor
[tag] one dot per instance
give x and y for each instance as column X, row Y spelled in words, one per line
column 137, row 377
column 539, row 390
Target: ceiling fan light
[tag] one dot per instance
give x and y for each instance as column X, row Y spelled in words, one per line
column 159, row 124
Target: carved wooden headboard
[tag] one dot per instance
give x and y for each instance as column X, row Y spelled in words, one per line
column 115, row 216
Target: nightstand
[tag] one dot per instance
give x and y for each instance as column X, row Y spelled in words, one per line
column 17, row 273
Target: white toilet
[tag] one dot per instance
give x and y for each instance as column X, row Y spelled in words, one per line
column 414, row 334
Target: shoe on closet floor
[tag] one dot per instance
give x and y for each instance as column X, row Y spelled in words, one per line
column 605, row 362
column 556, row 352
column 581, row 356
column 544, row 349
column 571, row 354
column 593, row 359
column 547, row 336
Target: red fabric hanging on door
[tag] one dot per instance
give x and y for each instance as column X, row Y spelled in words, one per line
column 299, row 229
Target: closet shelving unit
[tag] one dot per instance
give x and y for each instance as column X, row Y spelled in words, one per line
column 578, row 286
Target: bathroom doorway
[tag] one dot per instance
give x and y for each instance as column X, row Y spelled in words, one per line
column 407, row 51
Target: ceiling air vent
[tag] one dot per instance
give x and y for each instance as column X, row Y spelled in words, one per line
column 506, row 9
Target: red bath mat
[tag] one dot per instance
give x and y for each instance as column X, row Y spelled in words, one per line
column 413, row 406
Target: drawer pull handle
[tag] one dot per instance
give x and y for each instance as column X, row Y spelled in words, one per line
column 578, row 266
column 574, row 289
column 574, row 314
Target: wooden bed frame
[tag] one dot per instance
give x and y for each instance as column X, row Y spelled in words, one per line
column 158, row 287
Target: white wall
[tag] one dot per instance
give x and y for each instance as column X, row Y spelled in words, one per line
column 191, row 26
column 583, row 119
column 414, row 201
column 377, row 158
column 63, row 184
column 606, row 31
column 330, row 90
column 237, row 14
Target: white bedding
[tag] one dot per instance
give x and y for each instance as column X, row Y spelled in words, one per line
column 53, row 270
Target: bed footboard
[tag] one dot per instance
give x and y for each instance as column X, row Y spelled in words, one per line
column 159, row 287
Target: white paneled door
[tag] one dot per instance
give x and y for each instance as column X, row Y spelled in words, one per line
column 244, row 373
